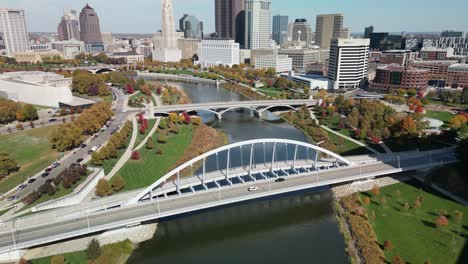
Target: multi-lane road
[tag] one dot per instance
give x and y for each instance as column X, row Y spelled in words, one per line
column 81, row 153
column 16, row 235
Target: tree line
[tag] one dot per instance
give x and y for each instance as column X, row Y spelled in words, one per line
column 12, row 111
column 70, row 135
column 116, row 142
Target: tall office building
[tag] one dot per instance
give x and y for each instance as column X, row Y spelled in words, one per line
column 301, row 31
column 68, row 27
column 280, row 29
column 191, row 26
column 328, row 27
column 368, row 31
column 230, row 19
column 89, row 26
column 348, row 62
column 15, row 34
column 168, row 50
column 257, row 24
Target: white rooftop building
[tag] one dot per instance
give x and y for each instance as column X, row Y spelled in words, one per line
column 314, row 82
column 38, row 88
column 281, row 63
column 218, row 52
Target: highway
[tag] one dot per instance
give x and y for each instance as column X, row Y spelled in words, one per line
column 21, row 236
column 80, row 153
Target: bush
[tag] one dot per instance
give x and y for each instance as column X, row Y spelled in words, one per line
column 159, row 152
column 175, row 129
column 59, row 259
column 162, row 138
column 135, row 155
column 150, row 143
column 93, row 251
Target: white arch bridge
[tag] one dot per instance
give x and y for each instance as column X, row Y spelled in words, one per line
column 255, row 160
column 220, row 108
column 223, row 177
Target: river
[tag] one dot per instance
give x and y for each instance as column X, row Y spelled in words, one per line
column 295, row 228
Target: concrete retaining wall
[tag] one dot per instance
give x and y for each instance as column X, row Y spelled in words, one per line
column 172, row 77
column 76, row 197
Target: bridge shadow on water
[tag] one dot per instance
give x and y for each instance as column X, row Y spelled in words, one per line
column 180, row 239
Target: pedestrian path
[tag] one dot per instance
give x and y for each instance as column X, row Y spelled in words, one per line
column 351, row 139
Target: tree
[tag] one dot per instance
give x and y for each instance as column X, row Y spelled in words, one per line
column 397, row 260
column 29, row 112
column 163, row 124
column 409, row 127
column 93, row 251
column 58, row 259
column 442, row 221
column 458, row 121
column 19, row 126
column 118, row 183
column 353, row 118
column 97, row 158
column 417, row 204
column 150, row 143
column 135, row 155
column 383, row 201
column 388, row 245
column 458, row 216
column 162, row 138
column 7, row 164
column 103, row 188
column 406, row 206
column 375, row 191
column 366, row 201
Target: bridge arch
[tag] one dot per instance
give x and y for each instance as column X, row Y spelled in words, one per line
column 147, row 192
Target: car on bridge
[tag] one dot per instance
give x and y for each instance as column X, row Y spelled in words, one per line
column 253, row 189
column 280, row 180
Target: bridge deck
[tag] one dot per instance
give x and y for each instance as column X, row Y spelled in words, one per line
column 13, row 235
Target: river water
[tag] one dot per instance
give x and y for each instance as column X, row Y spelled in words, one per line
column 295, row 228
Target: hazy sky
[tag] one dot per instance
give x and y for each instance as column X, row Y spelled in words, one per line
column 143, row 16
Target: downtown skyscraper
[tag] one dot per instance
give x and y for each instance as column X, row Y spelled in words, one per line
column 68, row 27
column 280, row 29
column 328, row 27
column 230, row 19
column 257, row 24
column 168, row 51
column 90, row 30
column 15, row 33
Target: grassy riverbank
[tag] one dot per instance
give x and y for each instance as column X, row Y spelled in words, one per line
column 190, row 142
column 111, row 254
column 406, row 216
column 31, row 149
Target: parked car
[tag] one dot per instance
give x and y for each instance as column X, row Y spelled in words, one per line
column 253, row 189
column 83, row 146
column 55, row 165
column 48, row 169
column 79, row 160
column 45, row 174
column 280, row 180
column 52, row 119
column 31, row 180
column 22, row 186
column 12, row 198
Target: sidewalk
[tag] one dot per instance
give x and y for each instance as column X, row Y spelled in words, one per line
column 351, row 139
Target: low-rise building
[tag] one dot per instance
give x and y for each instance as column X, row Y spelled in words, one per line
column 129, row 57
column 302, row 58
column 213, row 52
column 70, row 48
column 438, row 70
column 38, row 88
column 314, row 82
column 400, row 57
column 36, row 56
column 189, row 47
column 396, row 76
column 281, row 63
column 458, row 75
column 431, row 53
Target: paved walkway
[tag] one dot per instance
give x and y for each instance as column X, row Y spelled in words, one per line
column 352, row 140
column 127, row 154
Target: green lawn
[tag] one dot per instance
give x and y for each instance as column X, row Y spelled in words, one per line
column 413, row 233
column 462, row 106
column 31, row 149
column 107, row 98
column 141, row 137
column 110, row 254
column 151, row 166
column 346, row 147
column 440, row 115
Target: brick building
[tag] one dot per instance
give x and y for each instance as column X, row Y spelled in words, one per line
column 395, row 76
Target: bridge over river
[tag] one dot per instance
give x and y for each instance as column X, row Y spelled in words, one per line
column 300, row 165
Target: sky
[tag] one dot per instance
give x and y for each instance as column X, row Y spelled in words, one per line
column 144, row 16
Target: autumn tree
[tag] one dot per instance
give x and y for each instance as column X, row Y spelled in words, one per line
column 442, row 221
column 135, row 155
column 58, row 259
column 366, row 201
column 118, row 183
column 458, row 121
column 388, row 245
column 7, row 164
column 150, row 143
column 375, row 191
column 397, row 260
column 383, row 201
column 458, row 216
column 103, row 188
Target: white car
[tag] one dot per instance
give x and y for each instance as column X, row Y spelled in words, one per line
column 253, row 189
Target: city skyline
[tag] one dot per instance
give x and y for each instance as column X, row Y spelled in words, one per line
column 357, row 14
